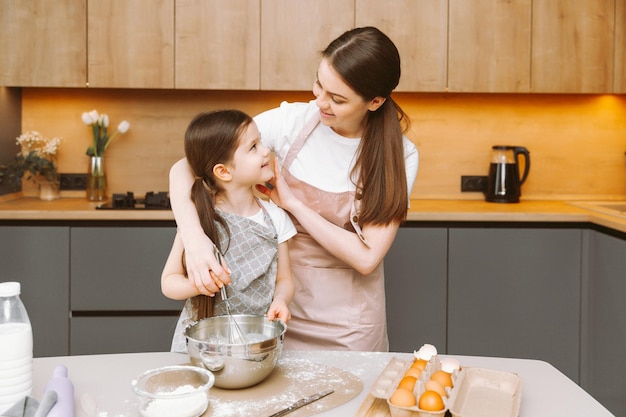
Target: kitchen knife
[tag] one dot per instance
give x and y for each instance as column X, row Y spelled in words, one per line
column 301, row 403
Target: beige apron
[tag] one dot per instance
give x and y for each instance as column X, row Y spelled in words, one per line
column 334, row 306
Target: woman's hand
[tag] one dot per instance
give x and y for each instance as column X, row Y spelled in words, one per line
column 278, row 190
column 204, row 271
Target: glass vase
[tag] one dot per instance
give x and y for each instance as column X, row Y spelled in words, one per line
column 96, row 179
column 49, row 190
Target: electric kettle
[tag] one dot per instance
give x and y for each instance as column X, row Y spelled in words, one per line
column 504, row 184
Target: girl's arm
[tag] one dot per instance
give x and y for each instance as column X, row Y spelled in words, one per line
column 342, row 243
column 198, row 247
column 284, row 290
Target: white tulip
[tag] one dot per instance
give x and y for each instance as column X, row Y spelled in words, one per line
column 104, row 120
column 94, row 116
column 123, row 126
column 86, row 118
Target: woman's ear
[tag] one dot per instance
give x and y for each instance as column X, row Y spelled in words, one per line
column 376, row 103
column 222, row 172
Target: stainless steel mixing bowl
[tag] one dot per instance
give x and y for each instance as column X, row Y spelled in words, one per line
column 236, row 365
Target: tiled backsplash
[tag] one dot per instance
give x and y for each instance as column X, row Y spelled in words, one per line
column 577, row 142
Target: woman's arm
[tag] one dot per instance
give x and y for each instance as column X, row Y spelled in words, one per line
column 283, row 293
column 202, row 267
column 342, row 243
column 346, row 245
column 174, row 282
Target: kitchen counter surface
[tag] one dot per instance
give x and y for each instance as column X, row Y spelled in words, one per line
column 32, row 208
column 545, row 390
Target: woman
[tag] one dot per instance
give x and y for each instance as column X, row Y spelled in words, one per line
column 346, row 176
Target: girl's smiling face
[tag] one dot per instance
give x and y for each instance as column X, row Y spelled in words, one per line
column 341, row 108
column 251, row 162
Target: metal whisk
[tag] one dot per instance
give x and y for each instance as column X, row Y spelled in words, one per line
column 237, row 336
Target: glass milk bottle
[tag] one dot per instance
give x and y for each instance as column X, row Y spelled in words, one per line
column 16, row 347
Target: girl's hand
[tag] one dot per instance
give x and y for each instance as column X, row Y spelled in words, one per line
column 278, row 190
column 205, row 273
column 278, row 310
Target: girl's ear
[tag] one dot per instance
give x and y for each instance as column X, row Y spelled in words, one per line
column 222, row 172
column 376, row 103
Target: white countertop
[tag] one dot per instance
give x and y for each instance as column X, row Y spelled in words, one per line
column 545, row 390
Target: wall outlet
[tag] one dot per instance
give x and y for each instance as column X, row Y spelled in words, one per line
column 473, row 183
column 73, row 181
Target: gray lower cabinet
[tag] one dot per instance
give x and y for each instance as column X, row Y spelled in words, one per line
column 37, row 257
column 603, row 370
column 515, row 292
column 121, row 334
column 415, row 286
column 116, row 299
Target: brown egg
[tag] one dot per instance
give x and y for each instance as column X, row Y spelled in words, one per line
column 416, row 372
column 431, row 401
column 407, row 382
column 419, row 364
column 442, row 377
column 433, row 385
column 403, row 397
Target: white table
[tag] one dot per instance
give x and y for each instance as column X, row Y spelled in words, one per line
column 545, row 392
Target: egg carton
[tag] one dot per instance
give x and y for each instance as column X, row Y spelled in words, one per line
column 486, row 393
column 388, row 381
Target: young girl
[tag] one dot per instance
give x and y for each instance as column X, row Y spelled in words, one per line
column 225, row 153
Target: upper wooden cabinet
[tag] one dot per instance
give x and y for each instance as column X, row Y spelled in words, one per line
column 292, row 34
column 130, row 43
column 619, row 84
column 492, row 46
column 573, row 46
column 420, row 31
column 218, row 44
column 489, row 46
column 43, row 43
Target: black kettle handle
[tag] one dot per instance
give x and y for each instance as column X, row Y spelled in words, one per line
column 517, row 150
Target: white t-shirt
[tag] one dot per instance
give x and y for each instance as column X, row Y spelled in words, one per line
column 326, row 158
column 282, row 223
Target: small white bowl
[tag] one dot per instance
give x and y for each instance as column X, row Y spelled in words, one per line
column 173, row 390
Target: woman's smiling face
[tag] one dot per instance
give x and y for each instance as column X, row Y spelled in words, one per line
column 341, row 108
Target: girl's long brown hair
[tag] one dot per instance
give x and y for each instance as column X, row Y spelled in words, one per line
column 211, row 138
column 369, row 63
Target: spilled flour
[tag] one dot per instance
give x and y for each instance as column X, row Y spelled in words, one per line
column 292, row 380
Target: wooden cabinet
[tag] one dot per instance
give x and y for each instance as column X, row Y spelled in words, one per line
column 420, row 31
column 116, row 299
column 604, row 321
column 619, row 84
column 130, row 43
column 43, row 43
column 515, row 292
column 489, row 46
column 415, row 287
column 217, row 44
column 573, row 46
column 493, row 46
column 292, row 34
column 38, row 258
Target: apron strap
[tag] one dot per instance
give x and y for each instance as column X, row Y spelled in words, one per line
column 300, row 139
column 297, row 145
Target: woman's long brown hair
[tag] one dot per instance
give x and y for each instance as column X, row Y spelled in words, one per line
column 369, row 63
column 211, row 138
